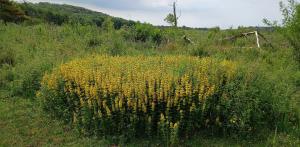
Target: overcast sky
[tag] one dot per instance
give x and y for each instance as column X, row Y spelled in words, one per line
column 194, row 13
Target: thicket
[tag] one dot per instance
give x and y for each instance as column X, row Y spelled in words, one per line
column 11, row 12
column 292, row 31
column 168, row 97
column 144, row 33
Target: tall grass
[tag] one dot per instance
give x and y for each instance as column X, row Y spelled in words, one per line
column 268, row 79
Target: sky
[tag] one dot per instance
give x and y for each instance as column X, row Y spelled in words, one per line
column 193, row 13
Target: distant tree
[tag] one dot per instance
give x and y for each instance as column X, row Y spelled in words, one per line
column 147, row 32
column 172, row 19
column 10, row 12
column 290, row 27
column 57, row 18
column 292, row 30
column 118, row 23
column 98, row 21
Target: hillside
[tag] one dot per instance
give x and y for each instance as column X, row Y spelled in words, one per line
column 59, row 14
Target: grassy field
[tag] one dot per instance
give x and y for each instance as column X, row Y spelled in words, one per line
column 241, row 95
column 39, row 49
column 24, row 124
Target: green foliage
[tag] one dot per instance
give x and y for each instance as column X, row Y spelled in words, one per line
column 170, row 19
column 146, row 32
column 10, row 12
column 15, row 113
column 30, row 82
column 7, row 56
column 291, row 25
column 292, row 32
column 254, row 99
column 264, row 96
column 166, row 112
column 6, row 76
column 61, row 14
column 108, row 24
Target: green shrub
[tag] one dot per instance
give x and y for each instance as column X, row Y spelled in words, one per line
column 30, row 79
column 168, row 97
column 292, row 32
column 7, row 56
column 6, row 75
column 146, row 32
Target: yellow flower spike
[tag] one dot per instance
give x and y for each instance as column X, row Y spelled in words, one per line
column 74, row 118
column 116, row 104
column 171, row 125
column 144, row 108
column 121, row 103
column 89, row 103
column 161, row 95
column 81, row 102
column 193, row 107
column 129, row 103
column 146, row 100
column 149, row 120
column 182, row 92
column 87, row 90
column 162, row 117
column 108, row 111
column 139, row 82
column 176, row 125
column 168, row 104
column 140, row 104
column 153, row 106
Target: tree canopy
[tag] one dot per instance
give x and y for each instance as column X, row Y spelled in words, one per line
column 11, row 12
column 170, row 19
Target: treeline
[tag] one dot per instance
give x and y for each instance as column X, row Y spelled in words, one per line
column 60, row 14
column 11, row 12
column 55, row 14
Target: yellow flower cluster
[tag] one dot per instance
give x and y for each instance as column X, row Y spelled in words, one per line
column 140, row 85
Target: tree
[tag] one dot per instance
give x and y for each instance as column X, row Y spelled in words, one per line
column 291, row 22
column 10, row 12
column 172, row 19
column 290, row 26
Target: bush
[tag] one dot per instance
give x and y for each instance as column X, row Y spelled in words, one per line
column 11, row 12
column 292, row 32
column 7, row 57
column 29, row 82
column 291, row 25
column 138, row 95
column 6, row 75
column 167, row 97
column 146, row 32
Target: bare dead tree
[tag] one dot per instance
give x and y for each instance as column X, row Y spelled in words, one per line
column 174, row 13
column 172, row 18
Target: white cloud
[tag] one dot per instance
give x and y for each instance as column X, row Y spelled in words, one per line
column 194, row 13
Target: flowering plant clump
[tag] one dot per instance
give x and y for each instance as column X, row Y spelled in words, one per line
column 169, row 96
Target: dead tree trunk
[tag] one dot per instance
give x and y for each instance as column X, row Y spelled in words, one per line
column 174, row 13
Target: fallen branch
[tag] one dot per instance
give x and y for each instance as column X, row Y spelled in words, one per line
column 187, row 40
column 256, row 33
